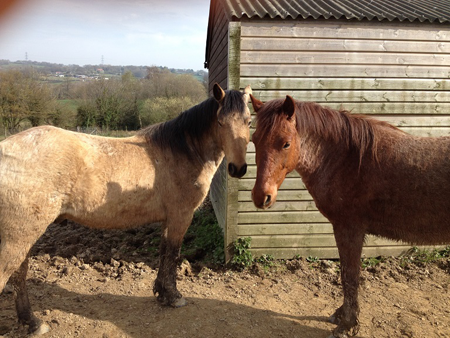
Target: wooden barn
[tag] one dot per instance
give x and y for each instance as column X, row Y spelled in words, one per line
column 386, row 58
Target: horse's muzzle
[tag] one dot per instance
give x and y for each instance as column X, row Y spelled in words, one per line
column 235, row 172
column 263, row 199
column 266, row 203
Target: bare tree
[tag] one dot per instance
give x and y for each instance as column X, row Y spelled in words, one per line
column 23, row 97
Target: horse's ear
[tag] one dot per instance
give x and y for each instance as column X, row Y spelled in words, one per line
column 289, row 106
column 256, row 103
column 247, row 92
column 218, row 92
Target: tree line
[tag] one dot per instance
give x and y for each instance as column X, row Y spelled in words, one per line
column 117, row 103
column 88, row 70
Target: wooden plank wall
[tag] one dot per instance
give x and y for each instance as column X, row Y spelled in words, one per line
column 398, row 72
column 217, row 63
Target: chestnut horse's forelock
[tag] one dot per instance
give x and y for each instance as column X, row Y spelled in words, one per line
column 340, row 126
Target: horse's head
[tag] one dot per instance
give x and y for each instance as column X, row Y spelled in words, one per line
column 277, row 146
column 234, row 121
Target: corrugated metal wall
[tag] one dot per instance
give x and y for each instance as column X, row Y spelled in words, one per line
column 398, row 72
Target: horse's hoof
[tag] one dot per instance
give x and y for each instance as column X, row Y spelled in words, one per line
column 43, row 328
column 332, row 320
column 340, row 336
column 180, row 302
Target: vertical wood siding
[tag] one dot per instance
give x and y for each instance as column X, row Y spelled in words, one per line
column 397, row 72
column 218, row 73
column 234, row 54
column 217, row 63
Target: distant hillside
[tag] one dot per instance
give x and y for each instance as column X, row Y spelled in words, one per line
column 90, row 70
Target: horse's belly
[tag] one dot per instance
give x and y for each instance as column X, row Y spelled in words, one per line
column 416, row 226
column 129, row 209
column 115, row 220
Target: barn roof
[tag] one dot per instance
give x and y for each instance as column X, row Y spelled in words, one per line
column 382, row 10
column 412, row 10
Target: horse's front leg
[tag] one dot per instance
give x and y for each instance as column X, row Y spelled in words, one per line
column 166, row 281
column 349, row 243
column 23, row 307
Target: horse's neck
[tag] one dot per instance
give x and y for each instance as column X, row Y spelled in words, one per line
column 205, row 161
column 310, row 154
column 209, row 152
column 319, row 158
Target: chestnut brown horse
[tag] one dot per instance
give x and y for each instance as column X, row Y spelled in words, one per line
column 366, row 176
column 161, row 174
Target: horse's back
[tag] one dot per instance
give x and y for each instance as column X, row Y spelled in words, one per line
column 33, row 181
column 97, row 181
column 403, row 193
column 59, row 172
column 31, row 155
column 408, row 192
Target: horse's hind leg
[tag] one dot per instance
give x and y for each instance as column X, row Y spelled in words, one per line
column 23, row 308
column 166, row 281
column 16, row 242
column 13, row 267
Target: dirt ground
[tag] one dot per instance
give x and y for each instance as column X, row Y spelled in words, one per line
column 88, row 283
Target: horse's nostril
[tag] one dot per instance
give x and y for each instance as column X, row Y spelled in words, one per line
column 232, row 169
column 243, row 170
column 235, row 172
column 267, row 200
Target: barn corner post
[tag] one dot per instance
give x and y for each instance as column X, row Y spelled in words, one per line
column 234, row 60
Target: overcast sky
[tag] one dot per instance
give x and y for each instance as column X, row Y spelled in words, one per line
column 168, row 33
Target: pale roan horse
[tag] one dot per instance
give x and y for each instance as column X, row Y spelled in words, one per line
column 162, row 174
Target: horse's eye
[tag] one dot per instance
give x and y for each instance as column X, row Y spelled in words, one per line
column 250, row 123
column 220, row 124
column 286, row 145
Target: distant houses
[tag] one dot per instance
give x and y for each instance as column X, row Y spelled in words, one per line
column 82, row 77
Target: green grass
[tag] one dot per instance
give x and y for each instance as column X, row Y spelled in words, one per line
column 72, row 105
column 204, row 239
column 371, row 262
column 422, row 257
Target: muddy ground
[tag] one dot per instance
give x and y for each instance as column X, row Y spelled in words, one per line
column 90, row 283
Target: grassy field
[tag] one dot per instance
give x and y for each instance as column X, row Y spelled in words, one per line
column 72, row 105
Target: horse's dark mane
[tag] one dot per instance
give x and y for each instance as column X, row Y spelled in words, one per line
column 185, row 132
column 192, row 123
column 355, row 131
